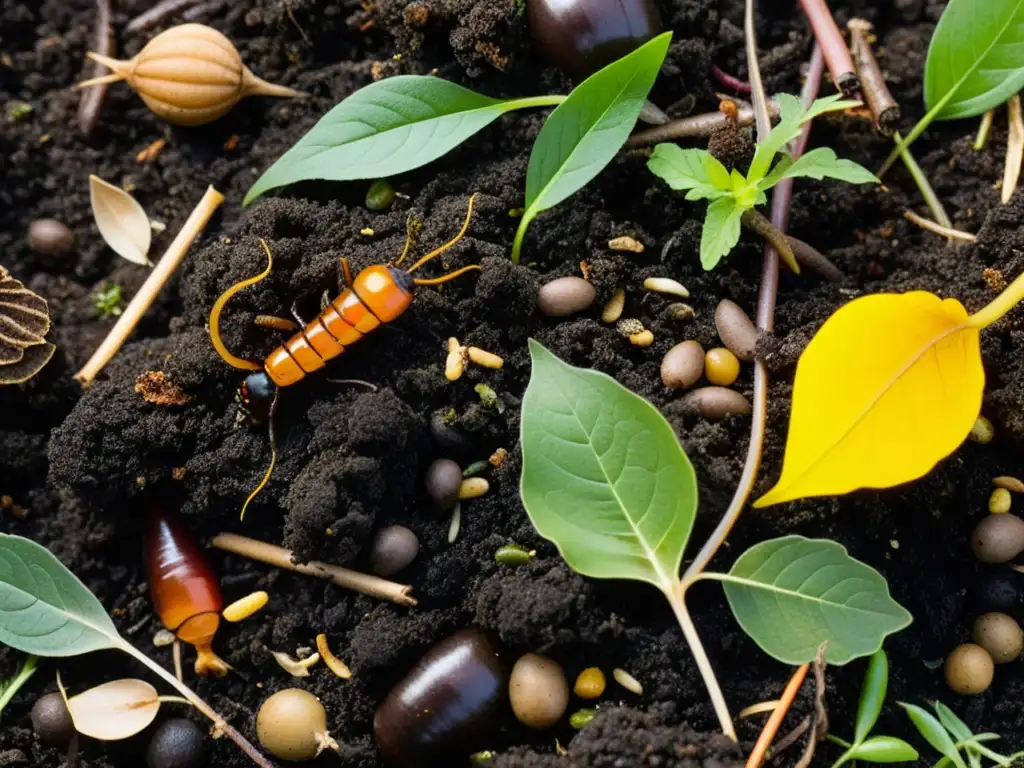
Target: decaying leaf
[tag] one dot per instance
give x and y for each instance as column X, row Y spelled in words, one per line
column 156, row 388
column 114, row 710
column 24, row 322
column 122, row 222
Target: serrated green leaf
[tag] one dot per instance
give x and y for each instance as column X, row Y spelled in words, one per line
column 792, row 594
column 975, row 57
column 872, row 695
column 934, row 733
column 696, row 170
column 884, row 749
column 44, row 608
column 585, row 132
column 388, row 127
column 823, row 162
column 604, row 477
column 721, row 231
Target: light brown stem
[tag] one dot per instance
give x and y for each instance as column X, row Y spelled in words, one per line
column 837, row 55
column 883, row 106
column 695, row 126
column 271, row 554
column 756, row 222
column 938, row 229
column 771, row 728
column 92, row 100
column 1014, row 149
column 147, row 294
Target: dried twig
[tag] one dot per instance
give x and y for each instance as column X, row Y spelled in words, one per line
column 92, row 98
column 771, row 728
column 790, row 738
column 729, row 81
column 984, row 130
column 820, row 713
column 883, row 106
column 695, row 126
column 837, row 55
column 161, row 273
column 156, row 14
column 938, row 229
column 756, row 222
column 1014, row 149
column 809, row 256
column 374, row 586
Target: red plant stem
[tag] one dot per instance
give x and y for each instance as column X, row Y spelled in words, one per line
column 837, row 55
column 729, row 81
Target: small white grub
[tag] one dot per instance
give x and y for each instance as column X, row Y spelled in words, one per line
column 666, row 285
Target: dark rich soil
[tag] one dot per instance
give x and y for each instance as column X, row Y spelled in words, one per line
column 352, row 461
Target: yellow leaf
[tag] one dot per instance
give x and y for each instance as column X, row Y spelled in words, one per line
column 888, row 387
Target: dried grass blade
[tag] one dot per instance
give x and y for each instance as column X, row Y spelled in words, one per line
column 1014, row 149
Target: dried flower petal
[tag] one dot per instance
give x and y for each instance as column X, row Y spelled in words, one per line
column 115, row 710
column 122, row 222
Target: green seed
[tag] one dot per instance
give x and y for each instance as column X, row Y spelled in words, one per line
column 579, row 719
column 380, row 195
column 982, row 431
column 999, row 502
column 475, row 468
column 513, row 554
column 479, row 758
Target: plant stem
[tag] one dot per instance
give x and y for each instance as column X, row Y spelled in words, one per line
column 729, row 81
column 695, row 126
column 984, row 130
column 536, row 101
column 147, row 294
column 14, row 685
column 837, row 740
column 517, row 243
column 924, row 186
column 756, row 222
column 771, row 728
column 707, row 672
column 883, row 106
column 1000, row 305
column 938, row 229
column 219, row 722
column 1014, row 149
column 757, row 94
column 837, row 55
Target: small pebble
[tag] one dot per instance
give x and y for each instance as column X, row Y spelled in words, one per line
column 626, row 243
column 380, row 195
column 999, row 502
column 683, row 365
column 52, row 721
column 538, row 691
column 969, row 669
column 1000, row 635
column 565, row 296
column 666, row 285
column 590, row 684
column 513, row 554
column 643, row 339
column 472, row 487
column 613, row 309
column 680, row 312
column 393, row 549
column 982, row 432
column 582, row 718
column 444, row 477
column 721, row 366
column 176, row 743
column 735, row 329
column 627, row 681
column 715, row 403
column 1009, row 483
column 50, row 237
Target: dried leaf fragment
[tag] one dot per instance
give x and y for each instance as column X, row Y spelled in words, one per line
column 115, row 710
column 122, row 222
column 24, row 322
column 156, row 388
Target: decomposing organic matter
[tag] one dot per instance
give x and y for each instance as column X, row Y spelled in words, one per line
column 24, row 323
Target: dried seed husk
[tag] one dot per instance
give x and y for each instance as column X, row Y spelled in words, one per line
column 122, row 222
column 1009, row 483
column 336, row 665
column 627, row 681
column 115, row 710
column 188, row 75
column 24, row 321
column 666, row 285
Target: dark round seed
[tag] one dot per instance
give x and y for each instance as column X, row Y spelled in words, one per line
column 51, row 721
column 50, row 238
column 565, row 296
column 444, row 477
column 393, row 549
column 380, row 195
column 176, row 743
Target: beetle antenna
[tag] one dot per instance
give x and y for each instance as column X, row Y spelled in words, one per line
column 446, row 278
column 450, row 243
column 273, row 454
column 410, row 234
column 218, row 307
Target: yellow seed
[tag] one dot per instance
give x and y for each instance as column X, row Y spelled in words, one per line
column 188, row 75
column 643, row 339
column 999, row 502
column 336, row 665
column 454, row 364
column 472, row 487
column 666, row 285
column 627, row 681
column 246, row 607
column 1009, row 483
column 721, row 366
column 626, row 243
column 982, row 431
column 590, row 684
column 367, row 232
column 486, row 359
column 613, row 309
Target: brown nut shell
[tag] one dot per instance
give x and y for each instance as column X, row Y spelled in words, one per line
column 735, row 329
column 969, row 669
column 565, row 296
column 998, row 538
column 1000, row 635
column 715, row 403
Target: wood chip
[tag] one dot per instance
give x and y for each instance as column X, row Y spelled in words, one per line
column 156, row 388
column 149, row 154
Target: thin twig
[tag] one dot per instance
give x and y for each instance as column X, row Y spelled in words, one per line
column 92, row 99
column 938, row 229
column 147, row 294
column 790, row 738
column 729, row 81
column 771, row 728
column 756, row 222
column 883, row 106
column 809, row 256
column 156, row 14
column 374, row 586
column 1014, row 149
column 757, row 94
column 984, row 130
column 820, row 713
column 695, row 126
column 760, row 708
column 837, row 55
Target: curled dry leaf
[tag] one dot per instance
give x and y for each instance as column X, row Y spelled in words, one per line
column 122, row 222
column 114, row 710
column 24, row 322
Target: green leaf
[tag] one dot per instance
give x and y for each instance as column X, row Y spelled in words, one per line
column 604, row 476
column 957, row 728
column 934, row 733
column 975, row 57
column 44, row 608
column 387, row 128
column 721, row 231
column 9, row 687
column 817, row 164
column 872, row 695
column 792, row 594
column 585, row 132
column 884, row 749
column 696, row 170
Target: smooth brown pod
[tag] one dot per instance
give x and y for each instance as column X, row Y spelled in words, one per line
column 735, row 329
column 998, row 538
column 715, row 403
column 443, row 706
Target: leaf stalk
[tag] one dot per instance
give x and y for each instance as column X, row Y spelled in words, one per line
column 12, row 686
column 1000, row 305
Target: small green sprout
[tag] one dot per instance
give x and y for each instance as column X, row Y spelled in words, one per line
column 18, row 110
column 948, row 734
column 13, row 684
column 732, row 195
column 489, row 397
column 107, row 301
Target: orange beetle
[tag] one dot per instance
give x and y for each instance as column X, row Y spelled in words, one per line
column 377, row 295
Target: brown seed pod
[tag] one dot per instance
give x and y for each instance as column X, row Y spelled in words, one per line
column 188, row 75
column 24, row 322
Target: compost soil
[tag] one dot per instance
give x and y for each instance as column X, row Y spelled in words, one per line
column 351, row 460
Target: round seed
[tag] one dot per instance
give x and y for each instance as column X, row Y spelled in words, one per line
column 1000, row 635
column 380, row 195
column 715, row 403
column 393, row 549
column 176, row 743
column 246, row 607
column 666, row 285
column 721, row 366
column 565, row 296
column 613, row 309
column 1009, row 483
column 969, row 669
column 513, row 554
column 683, row 365
column 52, row 721
column 999, row 502
column 627, row 681
column 444, row 477
column 982, row 432
column 679, row 311
column 735, row 329
column 50, row 237
column 538, row 691
column 590, row 684
column 579, row 719
column 472, row 487
column 643, row 339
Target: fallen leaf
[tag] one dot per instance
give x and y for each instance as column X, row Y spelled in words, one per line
column 122, row 222
column 888, row 387
column 114, row 710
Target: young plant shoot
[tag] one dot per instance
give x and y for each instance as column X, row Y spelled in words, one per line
column 606, row 480
column 882, row 419
column 13, row 684
column 733, row 195
column 948, row 735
